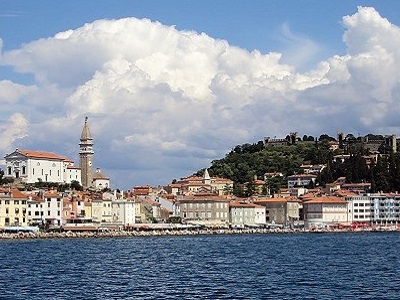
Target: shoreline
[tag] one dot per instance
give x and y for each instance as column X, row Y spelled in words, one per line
column 154, row 233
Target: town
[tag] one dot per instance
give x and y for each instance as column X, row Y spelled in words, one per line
column 89, row 204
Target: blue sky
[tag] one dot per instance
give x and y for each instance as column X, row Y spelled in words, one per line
column 165, row 101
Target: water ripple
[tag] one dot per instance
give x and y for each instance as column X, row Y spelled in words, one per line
column 309, row 266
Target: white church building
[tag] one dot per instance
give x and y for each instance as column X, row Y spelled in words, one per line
column 30, row 166
column 33, row 166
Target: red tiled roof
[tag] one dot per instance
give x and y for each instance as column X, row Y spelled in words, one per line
column 51, row 195
column 41, row 154
column 271, row 200
column 243, row 204
column 325, row 199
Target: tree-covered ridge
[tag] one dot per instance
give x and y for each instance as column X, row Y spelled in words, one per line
column 246, row 161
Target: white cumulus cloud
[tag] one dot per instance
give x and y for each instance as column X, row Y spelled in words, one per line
column 15, row 128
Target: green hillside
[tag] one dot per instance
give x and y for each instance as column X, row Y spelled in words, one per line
column 245, row 161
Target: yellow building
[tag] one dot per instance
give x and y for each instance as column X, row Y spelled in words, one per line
column 13, row 208
column 140, row 215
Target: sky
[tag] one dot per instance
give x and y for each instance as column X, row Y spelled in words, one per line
column 170, row 86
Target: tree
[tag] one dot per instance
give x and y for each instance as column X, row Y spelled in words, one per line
column 323, row 137
column 381, row 176
column 75, row 185
column 228, row 190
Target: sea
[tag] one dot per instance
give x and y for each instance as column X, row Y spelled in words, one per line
column 266, row 266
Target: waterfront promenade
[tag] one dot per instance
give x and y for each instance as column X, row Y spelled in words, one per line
column 186, row 232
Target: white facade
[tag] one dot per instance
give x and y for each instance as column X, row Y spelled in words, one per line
column 100, row 181
column 242, row 214
column 123, row 212
column 72, row 173
column 300, row 180
column 325, row 211
column 34, row 166
column 52, row 209
column 385, row 208
column 359, row 208
column 259, row 214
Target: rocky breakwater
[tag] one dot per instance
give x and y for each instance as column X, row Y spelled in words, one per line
column 137, row 233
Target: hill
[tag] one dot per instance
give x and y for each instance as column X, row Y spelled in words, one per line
column 357, row 163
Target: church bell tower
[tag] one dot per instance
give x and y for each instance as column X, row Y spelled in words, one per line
column 86, row 156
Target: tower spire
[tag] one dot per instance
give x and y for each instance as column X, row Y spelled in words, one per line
column 86, row 155
column 85, row 135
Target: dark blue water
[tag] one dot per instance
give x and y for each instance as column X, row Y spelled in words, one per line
column 303, row 266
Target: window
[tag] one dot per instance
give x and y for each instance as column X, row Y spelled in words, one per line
column 7, row 202
column 16, row 202
column 36, row 213
column 6, row 210
column 9, row 170
column 23, row 170
column 48, row 204
column 33, row 171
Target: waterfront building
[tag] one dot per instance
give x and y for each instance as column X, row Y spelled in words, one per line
column 52, row 210
column 35, row 210
column 140, row 215
column 204, row 208
column 360, row 208
column 168, row 203
column 13, row 208
column 123, row 211
column 283, row 211
column 97, row 210
column 385, row 208
column 243, row 213
column 152, row 209
column 107, row 212
column 33, row 166
column 87, row 204
column 324, row 211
